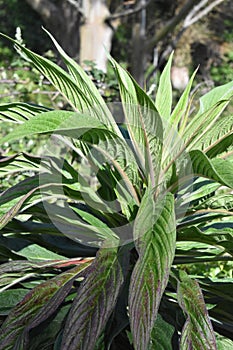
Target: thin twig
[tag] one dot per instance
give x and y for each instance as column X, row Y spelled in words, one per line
column 129, row 12
column 77, row 5
column 189, row 20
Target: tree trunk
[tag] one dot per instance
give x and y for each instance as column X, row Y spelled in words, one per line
column 138, row 46
column 62, row 20
column 95, row 34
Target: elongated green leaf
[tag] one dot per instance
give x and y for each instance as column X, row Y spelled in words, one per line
column 15, row 198
column 197, row 332
column 94, row 303
column 197, row 191
column 218, row 138
column 19, row 112
column 223, row 343
column 38, row 253
column 24, row 265
column 86, row 85
column 216, row 237
column 180, row 109
column 117, row 154
column 219, row 170
column 113, row 148
column 143, row 123
column 64, row 83
column 57, row 76
column 154, row 231
column 218, row 201
column 17, row 164
column 164, row 93
column 84, row 227
column 222, row 92
column 54, row 121
column 211, row 106
column 36, row 306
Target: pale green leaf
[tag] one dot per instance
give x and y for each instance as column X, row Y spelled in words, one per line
column 19, row 112
column 180, row 110
column 62, row 81
column 164, row 93
column 38, row 253
column 224, row 343
column 86, row 85
column 211, row 107
column 57, row 122
column 143, row 124
column 218, row 169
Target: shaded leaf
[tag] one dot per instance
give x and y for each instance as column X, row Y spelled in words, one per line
column 154, row 231
column 94, row 303
column 197, row 333
column 223, row 238
column 36, row 306
column 161, row 335
column 9, row 298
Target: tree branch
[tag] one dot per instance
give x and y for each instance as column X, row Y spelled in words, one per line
column 129, row 12
column 189, row 20
column 76, row 5
column 193, row 16
column 172, row 24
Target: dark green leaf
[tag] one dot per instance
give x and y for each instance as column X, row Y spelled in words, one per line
column 161, row 335
column 94, row 303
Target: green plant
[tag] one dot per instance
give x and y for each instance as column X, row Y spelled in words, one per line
column 96, row 238
column 223, row 72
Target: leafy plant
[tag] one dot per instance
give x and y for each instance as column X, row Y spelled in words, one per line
column 96, row 237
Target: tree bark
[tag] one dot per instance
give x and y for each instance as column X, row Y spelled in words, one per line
column 62, row 20
column 95, row 33
column 170, row 26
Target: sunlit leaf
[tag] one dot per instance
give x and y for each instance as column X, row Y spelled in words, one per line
column 164, row 92
column 86, row 85
column 143, row 124
column 219, row 170
column 19, row 112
